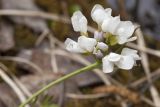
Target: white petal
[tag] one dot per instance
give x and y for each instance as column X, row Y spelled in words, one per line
column 130, row 52
column 108, row 11
column 107, row 65
column 121, row 39
column 79, row 22
column 96, row 7
column 102, row 46
column 125, row 28
column 87, row 43
column 99, row 14
column 126, row 62
column 110, row 24
column 73, row 46
column 113, row 57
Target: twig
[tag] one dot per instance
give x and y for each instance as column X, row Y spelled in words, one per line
column 153, row 90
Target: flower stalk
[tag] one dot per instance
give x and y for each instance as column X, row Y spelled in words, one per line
column 87, row 68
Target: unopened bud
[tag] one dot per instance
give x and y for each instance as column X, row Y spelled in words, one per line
column 98, row 53
column 102, row 46
column 98, row 36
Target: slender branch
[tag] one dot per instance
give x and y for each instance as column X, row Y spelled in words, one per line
column 87, row 68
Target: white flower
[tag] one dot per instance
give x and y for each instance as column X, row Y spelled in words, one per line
column 83, row 45
column 108, row 62
column 123, row 30
column 79, row 22
column 110, row 25
column 87, row 43
column 126, row 60
column 131, row 52
column 113, row 26
column 99, row 14
column 73, row 46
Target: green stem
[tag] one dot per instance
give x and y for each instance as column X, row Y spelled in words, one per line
column 92, row 66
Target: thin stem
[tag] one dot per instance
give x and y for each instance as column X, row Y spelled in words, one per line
column 87, row 68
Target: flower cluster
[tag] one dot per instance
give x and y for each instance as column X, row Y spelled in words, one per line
column 111, row 32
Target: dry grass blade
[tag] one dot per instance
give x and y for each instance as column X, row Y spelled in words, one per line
column 41, row 37
column 39, row 14
column 17, row 81
column 22, row 60
column 53, row 57
column 153, row 90
column 10, row 82
column 54, row 65
column 21, row 86
column 86, row 96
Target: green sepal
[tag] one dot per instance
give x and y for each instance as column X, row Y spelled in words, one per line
column 111, row 39
column 86, row 53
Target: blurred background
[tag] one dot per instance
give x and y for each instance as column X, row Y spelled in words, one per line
column 32, row 54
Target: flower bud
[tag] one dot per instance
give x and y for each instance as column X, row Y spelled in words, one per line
column 102, row 46
column 98, row 53
column 98, row 36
